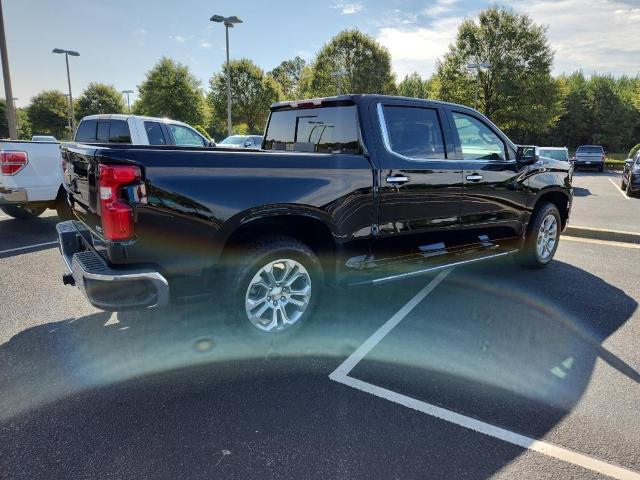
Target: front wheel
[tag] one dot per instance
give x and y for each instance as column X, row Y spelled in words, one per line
column 276, row 287
column 543, row 235
column 22, row 212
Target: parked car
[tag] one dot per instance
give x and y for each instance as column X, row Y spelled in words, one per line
column 631, row 176
column 31, row 179
column 43, row 138
column 242, row 141
column 348, row 190
column 139, row 130
column 557, row 153
column 589, row 156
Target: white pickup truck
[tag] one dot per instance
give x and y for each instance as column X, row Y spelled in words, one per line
column 31, row 172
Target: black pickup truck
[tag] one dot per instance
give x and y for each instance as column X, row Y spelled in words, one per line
column 351, row 189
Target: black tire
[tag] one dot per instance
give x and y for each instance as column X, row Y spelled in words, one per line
column 623, row 185
column 23, row 212
column 528, row 256
column 252, row 258
column 601, row 169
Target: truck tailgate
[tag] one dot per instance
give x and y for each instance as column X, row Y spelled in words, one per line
column 80, row 176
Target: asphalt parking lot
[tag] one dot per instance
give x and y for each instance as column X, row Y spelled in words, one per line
column 488, row 371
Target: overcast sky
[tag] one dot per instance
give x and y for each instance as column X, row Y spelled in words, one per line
column 119, row 40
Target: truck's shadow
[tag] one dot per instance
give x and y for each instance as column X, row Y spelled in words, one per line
column 165, row 394
column 26, row 236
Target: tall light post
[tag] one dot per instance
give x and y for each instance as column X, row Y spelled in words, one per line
column 8, row 93
column 127, row 92
column 69, row 117
column 477, row 67
column 66, row 57
column 228, row 23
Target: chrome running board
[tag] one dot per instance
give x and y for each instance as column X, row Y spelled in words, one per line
column 435, row 268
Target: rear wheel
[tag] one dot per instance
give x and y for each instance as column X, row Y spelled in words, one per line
column 601, row 168
column 22, row 212
column 276, row 288
column 543, row 235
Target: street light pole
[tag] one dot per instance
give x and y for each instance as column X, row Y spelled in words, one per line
column 11, row 111
column 477, row 67
column 66, row 57
column 228, row 23
column 127, row 92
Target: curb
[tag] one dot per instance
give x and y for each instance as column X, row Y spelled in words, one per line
column 603, row 234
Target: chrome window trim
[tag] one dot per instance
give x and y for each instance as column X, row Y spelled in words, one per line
column 387, row 143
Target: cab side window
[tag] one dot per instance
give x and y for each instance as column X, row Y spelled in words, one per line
column 477, row 140
column 154, row 133
column 414, row 132
column 185, row 136
column 86, row 132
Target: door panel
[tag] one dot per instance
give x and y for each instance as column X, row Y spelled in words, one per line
column 420, row 189
column 495, row 199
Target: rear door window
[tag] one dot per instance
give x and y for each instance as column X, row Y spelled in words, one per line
column 317, row 130
column 86, row 132
column 102, row 135
column 119, row 132
column 414, row 132
column 154, row 133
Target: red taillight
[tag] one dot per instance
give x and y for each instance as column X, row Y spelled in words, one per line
column 117, row 216
column 602, row 158
column 12, row 162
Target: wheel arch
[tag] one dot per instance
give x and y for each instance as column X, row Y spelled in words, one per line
column 557, row 197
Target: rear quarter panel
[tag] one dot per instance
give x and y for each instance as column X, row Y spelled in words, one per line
column 196, row 199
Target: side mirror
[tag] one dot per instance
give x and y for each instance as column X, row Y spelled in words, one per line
column 629, row 162
column 527, row 154
column 211, row 143
column 248, row 144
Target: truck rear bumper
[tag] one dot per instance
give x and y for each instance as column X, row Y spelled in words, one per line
column 13, row 195
column 105, row 287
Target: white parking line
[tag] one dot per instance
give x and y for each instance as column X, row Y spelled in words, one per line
column 341, row 375
column 28, row 247
column 619, row 189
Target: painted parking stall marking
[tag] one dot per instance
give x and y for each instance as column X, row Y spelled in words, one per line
column 619, row 189
column 28, row 247
column 341, row 375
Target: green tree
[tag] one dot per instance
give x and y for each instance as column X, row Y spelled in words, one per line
column 366, row 64
column 517, row 91
column 48, row 114
column 252, row 94
column 170, row 90
column 99, row 98
column 574, row 125
column 610, row 119
column 24, row 125
column 288, row 75
column 413, row 86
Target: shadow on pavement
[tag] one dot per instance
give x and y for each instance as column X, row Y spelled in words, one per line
column 19, row 234
column 181, row 393
column 581, row 192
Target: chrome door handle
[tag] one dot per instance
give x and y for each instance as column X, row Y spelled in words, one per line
column 476, row 177
column 397, row 179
